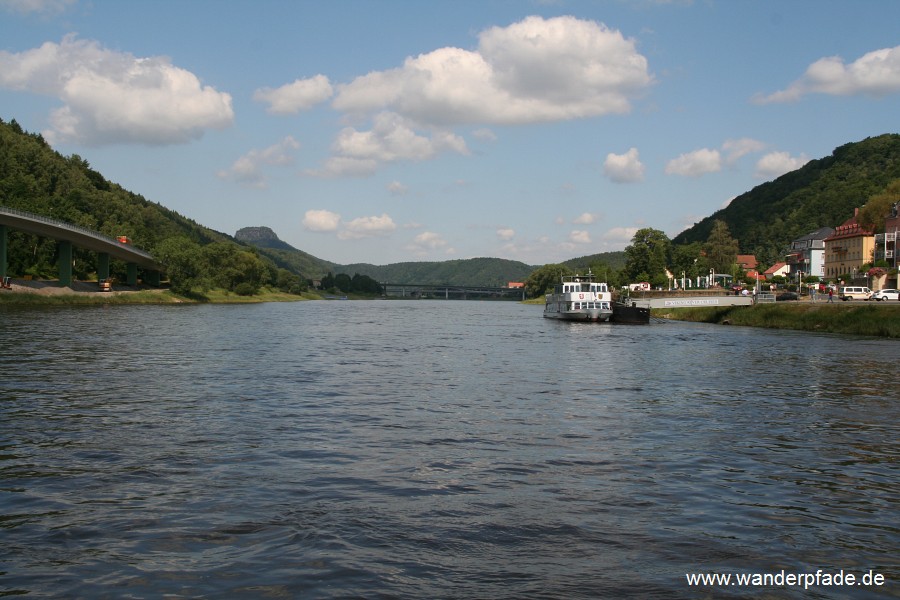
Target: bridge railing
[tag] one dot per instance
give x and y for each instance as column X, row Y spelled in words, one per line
column 75, row 228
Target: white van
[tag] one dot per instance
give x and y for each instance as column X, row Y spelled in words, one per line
column 854, row 293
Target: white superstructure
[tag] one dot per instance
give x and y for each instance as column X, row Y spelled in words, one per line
column 579, row 298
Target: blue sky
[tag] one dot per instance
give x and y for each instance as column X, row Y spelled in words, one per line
column 384, row 131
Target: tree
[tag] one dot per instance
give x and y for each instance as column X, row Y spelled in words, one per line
column 543, row 279
column 721, row 249
column 181, row 259
column 647, row 256
column 872, row 215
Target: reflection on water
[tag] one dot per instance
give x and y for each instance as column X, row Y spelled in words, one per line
column 434, row 449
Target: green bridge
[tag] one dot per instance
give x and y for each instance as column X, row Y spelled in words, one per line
column 70, row 236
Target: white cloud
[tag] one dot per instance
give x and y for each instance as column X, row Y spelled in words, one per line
column 36, row 6
column 619, row 236
column 391, row 139
column 624, row 168
column 696, row 163
column 321, row 220
column 248, row 168
column 291, row 98
column 364, row 227
column 736, row 149
column 397, row 189
column 532, row 71
column 506, row 234
column 112, row 97
column 584, row 219
column 875, row 74
column 485, row 134
column 775, row 164
column 428, row 241
column 580, row 237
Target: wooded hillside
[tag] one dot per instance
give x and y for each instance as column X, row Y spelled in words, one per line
column 822, row 193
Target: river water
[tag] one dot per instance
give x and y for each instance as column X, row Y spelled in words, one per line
column 437, row 449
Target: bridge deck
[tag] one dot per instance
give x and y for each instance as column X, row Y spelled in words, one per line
column 78, row 236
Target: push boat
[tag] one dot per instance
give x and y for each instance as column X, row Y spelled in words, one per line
column 579, row 298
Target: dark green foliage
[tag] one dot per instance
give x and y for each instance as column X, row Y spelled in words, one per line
column 35, row 178
column 358, row 284
column 648, row 257
column 823, row 193
column 494, row 272
column 543, row 279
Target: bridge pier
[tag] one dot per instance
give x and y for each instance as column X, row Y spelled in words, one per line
column 2, row 252
column 65, row 263
column 102, row 266
column 132, row 274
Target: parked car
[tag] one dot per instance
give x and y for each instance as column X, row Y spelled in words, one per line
column 886, row 295
column 854, row 292
column 786, row 296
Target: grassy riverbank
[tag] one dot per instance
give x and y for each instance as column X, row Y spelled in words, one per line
column 73, row 297
column 875, row 319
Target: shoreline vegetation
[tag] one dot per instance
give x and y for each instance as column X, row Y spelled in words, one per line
column 845, row 318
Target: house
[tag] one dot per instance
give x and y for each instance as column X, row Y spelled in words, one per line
column 848, row 249
column 746, row 262
column 777, row 269
column 806, row 255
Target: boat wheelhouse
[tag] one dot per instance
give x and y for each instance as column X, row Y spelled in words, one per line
column 579, row 298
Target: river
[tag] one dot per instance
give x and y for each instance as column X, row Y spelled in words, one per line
column 438, row 449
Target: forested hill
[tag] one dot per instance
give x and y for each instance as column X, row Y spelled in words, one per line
column 37, row 179
column 822, row 193
column 495, row 272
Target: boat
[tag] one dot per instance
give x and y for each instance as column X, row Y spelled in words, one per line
column 579, row 298
column 630, row 313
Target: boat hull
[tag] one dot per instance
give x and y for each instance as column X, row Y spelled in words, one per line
column 584, row 315
column 630, row 314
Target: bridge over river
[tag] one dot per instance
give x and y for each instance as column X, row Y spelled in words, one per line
column 69, row 236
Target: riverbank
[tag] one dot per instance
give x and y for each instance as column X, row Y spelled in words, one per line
column 849, row 318
column 86, row 293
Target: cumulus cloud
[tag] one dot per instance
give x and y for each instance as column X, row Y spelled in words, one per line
column 112, row 97
column 624, row 168
column 585, row 219
column 736, row 149
column 506, row 234
column 775, row 164
column 397, row 189
column 580, row 237
column 364, row 227
column 391, row 139
column 291, row 98
column 696, row 163
column 532, row 71
column 619, row 236
column 248, row 168
column 875, row 74
column 321, row 220
column 428, row 241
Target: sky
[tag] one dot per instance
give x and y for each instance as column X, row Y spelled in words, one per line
column 384, row 131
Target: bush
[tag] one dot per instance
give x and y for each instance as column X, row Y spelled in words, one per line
column 245, row 289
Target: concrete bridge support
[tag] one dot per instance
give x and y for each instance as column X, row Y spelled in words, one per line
column 2, row 251
column 102, row 266
column 65, row 263
column 132, row 274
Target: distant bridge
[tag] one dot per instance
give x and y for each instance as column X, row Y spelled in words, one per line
column 70, row 235
column 447, row 292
